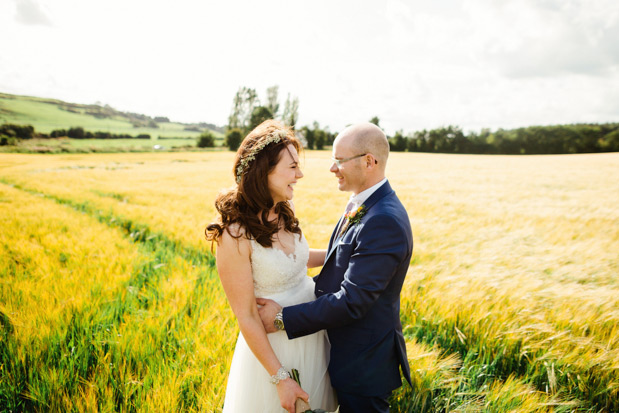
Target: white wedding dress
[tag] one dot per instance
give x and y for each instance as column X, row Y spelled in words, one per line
column 282, row 278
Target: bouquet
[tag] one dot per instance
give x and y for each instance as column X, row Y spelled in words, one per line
column 301, row 406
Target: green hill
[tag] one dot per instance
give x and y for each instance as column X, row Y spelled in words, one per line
column 49, row 114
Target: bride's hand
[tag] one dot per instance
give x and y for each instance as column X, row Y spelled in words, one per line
column 267, row 310
column 289, row 391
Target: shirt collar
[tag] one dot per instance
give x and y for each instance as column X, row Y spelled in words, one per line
column 361, row 197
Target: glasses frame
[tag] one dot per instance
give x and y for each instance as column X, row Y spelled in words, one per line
column 339, row 162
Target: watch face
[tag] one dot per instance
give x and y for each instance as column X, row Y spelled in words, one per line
column 279, row 324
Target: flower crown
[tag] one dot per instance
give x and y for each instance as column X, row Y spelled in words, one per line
column 273, row 137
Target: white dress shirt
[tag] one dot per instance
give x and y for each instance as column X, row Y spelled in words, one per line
column 361, row 197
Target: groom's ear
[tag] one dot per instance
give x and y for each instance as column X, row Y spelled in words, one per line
column 370, row 161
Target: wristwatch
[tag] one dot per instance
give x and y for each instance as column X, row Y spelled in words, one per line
column 279, row 321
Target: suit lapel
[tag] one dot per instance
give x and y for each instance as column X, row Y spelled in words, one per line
column 333, row 238
column 381, row 192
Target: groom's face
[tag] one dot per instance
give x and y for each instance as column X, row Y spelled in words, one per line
column 350, row 174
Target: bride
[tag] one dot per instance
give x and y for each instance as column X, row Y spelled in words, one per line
column 261, row 252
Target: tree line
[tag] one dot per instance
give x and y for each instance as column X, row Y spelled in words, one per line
column 248, row 111
column 532, row 140
column 10, row 134
column 80, row 133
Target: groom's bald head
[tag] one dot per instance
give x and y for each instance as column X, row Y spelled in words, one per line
column 367, row 138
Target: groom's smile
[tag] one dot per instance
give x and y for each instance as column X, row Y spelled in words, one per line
column 349, row 175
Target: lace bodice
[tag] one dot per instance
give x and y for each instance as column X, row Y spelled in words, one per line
column 274, row 271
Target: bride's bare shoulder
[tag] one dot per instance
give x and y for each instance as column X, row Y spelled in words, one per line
column 235, row 230
column 234, row 236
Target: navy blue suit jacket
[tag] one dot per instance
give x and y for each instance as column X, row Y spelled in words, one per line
column 358, row 299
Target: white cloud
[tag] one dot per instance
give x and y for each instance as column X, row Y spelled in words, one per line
column 549, row 38
column 29, row 12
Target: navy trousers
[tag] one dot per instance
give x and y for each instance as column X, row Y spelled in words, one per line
column 354, row 403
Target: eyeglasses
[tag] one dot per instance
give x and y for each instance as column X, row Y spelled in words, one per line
column 339, row 162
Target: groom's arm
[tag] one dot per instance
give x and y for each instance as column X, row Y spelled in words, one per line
column 382, row 245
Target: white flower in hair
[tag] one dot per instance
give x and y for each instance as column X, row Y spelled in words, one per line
column 273, row 137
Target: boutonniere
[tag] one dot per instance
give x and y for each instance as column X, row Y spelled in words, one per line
column 352, row 218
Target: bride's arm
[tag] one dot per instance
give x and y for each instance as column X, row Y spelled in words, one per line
column 316, row 258
column 234, row 268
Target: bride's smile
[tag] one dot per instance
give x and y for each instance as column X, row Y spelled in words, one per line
column 285, row 175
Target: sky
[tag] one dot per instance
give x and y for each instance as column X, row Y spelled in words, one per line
column 414, row 64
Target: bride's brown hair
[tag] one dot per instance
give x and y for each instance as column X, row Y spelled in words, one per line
column 248, row 204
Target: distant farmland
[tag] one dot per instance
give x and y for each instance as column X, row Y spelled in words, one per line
column 49, row 114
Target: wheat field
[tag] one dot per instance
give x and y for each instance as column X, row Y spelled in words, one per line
column 109, row 299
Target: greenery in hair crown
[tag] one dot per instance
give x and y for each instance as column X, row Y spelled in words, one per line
column 273, row 137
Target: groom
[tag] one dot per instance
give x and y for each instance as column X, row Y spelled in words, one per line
column 358, row 288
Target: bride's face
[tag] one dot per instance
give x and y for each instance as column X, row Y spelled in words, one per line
column 285, row 175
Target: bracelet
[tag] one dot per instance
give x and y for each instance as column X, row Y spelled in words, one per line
column 281, row 374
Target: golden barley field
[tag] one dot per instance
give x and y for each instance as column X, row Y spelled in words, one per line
column 109, row 299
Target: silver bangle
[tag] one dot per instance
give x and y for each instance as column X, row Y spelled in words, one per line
column 281, row 374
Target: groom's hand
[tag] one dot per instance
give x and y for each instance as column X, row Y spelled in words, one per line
column 267, row 313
